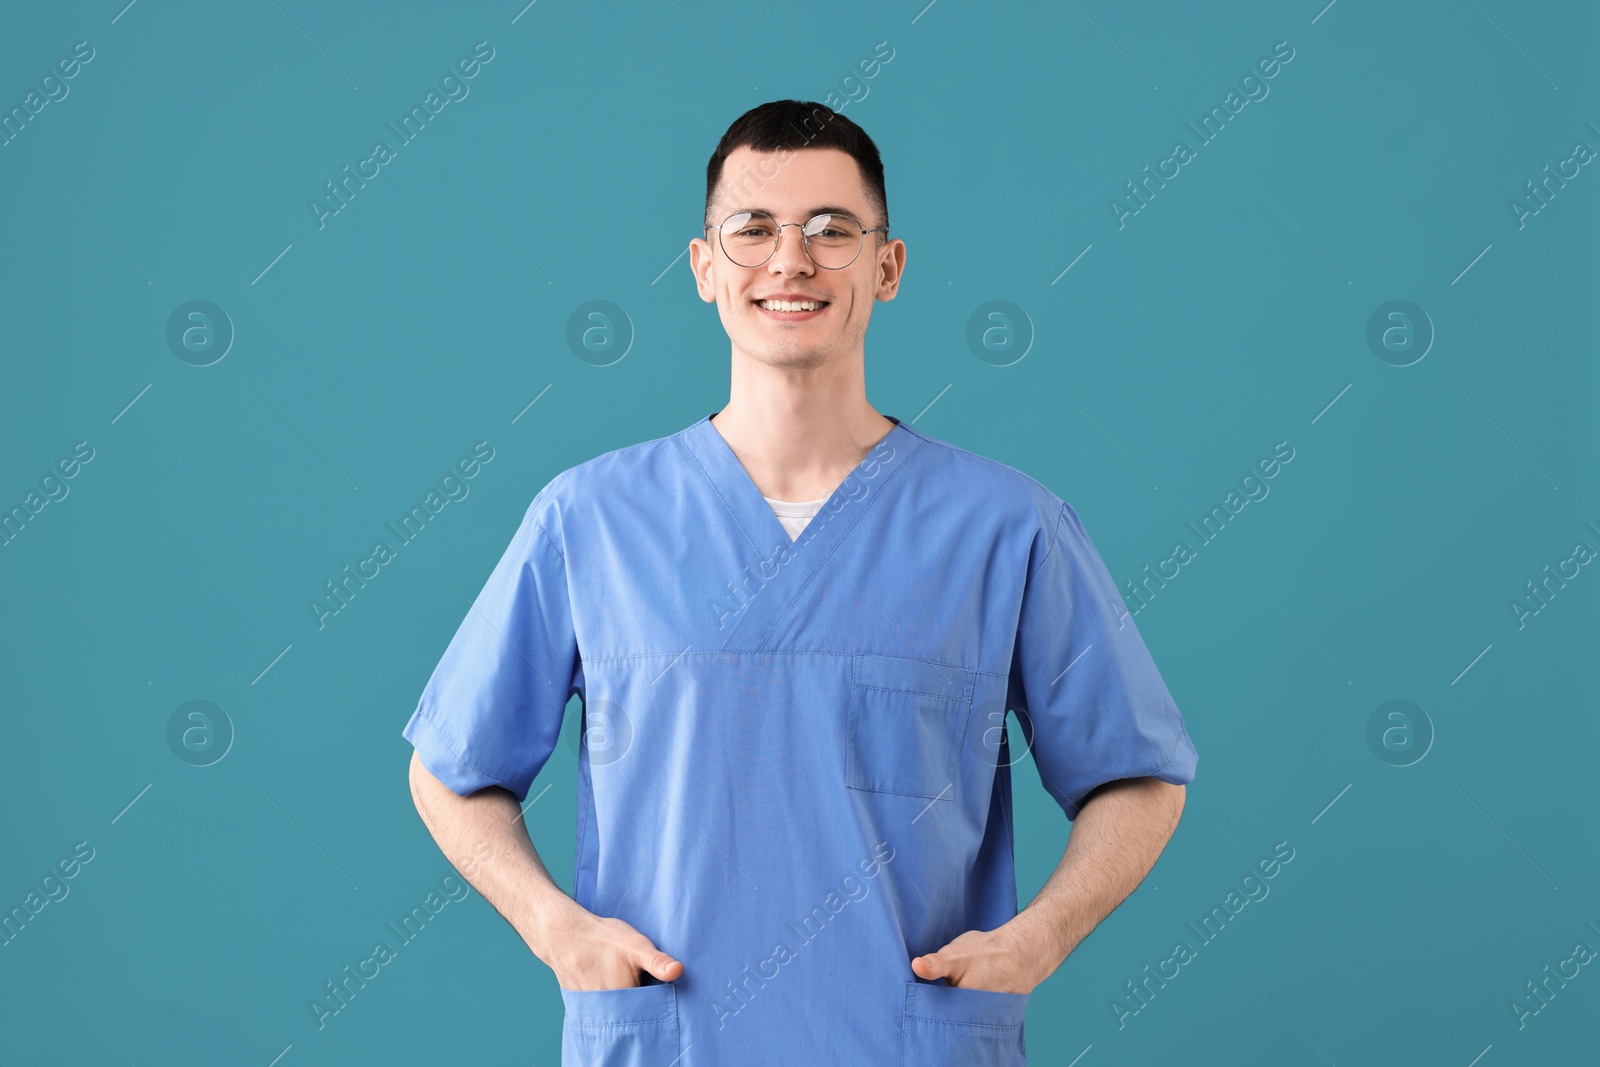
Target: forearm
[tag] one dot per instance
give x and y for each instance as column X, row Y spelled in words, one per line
column 1115, row 840
column 484, row 836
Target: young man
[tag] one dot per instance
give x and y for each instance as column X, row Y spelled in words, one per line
column 796, row 626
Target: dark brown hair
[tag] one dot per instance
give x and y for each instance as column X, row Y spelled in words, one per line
column 797, row 124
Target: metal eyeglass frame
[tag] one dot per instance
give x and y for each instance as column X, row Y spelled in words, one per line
column 805, row 238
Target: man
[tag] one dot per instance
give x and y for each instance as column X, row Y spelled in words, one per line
column 796, row 626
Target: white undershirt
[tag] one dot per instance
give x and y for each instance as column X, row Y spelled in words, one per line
column 794, row 516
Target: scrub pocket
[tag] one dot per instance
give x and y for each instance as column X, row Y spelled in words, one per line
column 947, row 1025
column 906, row 723
column 632, row 1027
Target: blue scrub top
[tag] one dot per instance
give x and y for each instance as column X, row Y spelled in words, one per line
column 794, row 774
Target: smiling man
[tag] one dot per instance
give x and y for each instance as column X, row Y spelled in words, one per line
column 796, row 626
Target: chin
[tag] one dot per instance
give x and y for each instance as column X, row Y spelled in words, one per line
column 789, row 356
column 792, row 357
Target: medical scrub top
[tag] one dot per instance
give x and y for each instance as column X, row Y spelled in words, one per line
column 794, row 772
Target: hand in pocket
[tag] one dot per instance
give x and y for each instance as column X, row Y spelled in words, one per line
column 997, row 960
column 590, row 952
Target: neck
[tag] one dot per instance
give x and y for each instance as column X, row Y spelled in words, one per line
column 799, row 433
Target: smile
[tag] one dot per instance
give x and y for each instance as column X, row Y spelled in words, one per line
column 792, row 310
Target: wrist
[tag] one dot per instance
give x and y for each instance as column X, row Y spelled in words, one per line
column 1038, row 944
column 548, row 920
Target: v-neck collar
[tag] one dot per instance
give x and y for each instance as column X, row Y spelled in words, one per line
column 780, row 570
column 750, row 508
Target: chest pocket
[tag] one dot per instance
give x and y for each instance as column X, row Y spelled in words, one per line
column 907, row 719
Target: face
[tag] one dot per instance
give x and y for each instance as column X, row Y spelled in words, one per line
column 790, row 185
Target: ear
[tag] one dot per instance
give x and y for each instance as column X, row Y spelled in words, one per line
column 700, row 260
column 891, row 268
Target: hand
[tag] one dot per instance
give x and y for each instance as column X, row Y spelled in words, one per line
column 996, row 959
column 589, row 952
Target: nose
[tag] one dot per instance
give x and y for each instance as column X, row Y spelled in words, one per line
column 791, row 256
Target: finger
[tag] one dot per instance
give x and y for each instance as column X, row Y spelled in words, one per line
column 931, row 966
column 663, row 966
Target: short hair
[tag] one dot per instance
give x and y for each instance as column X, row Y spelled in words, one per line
column 797, row 124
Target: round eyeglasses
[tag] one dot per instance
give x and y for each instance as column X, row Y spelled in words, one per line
column 749, row 238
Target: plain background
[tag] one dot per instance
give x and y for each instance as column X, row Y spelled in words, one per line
column 369, row 355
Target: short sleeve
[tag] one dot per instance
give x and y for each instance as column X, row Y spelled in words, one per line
column 1082, row 681
column 491, row 712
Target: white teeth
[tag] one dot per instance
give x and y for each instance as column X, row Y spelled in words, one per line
column 790, row 305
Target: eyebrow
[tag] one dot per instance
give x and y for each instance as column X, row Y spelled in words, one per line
column 825, row 209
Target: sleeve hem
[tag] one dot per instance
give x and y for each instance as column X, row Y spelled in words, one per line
column 461, row 776
column 1075, row 804
column 1183, row 735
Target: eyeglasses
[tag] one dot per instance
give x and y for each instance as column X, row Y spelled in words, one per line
column 749, row 238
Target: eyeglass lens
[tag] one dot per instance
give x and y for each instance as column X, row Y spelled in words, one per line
column 749, row 239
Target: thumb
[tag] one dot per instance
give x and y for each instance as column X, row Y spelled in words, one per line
column 931, row 966
column 663, row 966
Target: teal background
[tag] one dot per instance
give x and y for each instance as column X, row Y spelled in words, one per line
column 1229, row 314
